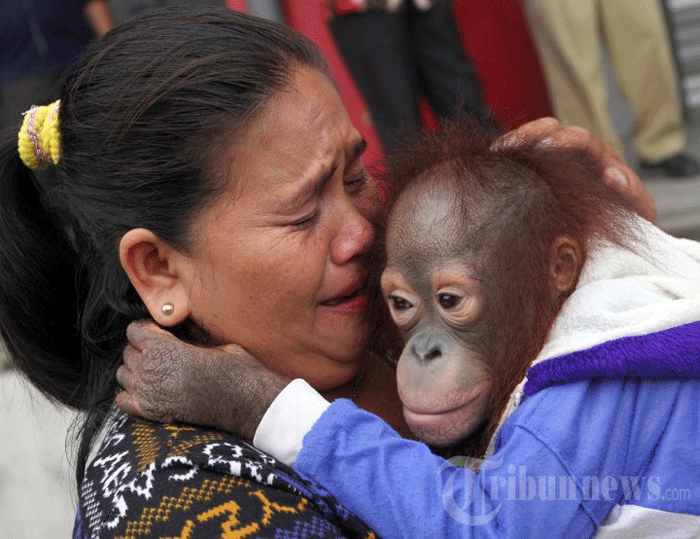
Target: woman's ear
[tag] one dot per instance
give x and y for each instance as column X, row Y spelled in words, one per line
column 565, row 261
column 159, row 274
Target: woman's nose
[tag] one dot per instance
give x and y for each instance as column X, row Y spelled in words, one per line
column 355, row 237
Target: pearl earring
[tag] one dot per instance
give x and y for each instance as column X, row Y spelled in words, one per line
column 167, row 309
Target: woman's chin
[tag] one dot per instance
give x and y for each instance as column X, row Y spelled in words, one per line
column 334, row 376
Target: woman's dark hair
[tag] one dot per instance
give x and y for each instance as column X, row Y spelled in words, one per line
column 146, row 115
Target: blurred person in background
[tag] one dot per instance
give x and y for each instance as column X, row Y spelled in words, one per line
column 398, row 50
column 567, row 34
column 38, row 39
column 123, row 10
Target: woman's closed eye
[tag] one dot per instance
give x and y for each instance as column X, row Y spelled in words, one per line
column 306, row 221
column 357, row 181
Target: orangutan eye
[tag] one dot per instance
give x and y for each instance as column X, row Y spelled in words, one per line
column 404, row 312
column 403, row 303
column 448, row 301
column 460, row 303
column 399, row 303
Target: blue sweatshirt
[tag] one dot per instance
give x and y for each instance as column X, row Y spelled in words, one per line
column 602, row 439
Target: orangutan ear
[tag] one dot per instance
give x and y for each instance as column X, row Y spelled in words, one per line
column 159, row 274
column 565, row 261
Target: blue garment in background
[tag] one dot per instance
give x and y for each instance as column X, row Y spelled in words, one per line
column 40, row 37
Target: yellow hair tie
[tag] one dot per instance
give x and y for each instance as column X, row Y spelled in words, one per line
column 39, row 142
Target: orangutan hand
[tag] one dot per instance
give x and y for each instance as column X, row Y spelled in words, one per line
column 165, row 379
column 615, row 172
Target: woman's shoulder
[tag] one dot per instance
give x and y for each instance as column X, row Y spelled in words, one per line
column 165, row 480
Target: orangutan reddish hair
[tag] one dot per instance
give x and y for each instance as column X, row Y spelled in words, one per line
column 483, row 246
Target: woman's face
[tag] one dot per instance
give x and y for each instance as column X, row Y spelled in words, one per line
column 281, row 265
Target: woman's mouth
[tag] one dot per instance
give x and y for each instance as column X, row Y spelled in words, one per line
column 353, row 299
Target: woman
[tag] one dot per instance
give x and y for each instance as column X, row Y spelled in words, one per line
column 165, row 126
column 204, row 174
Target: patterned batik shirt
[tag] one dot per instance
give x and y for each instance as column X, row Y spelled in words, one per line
column 156, row 480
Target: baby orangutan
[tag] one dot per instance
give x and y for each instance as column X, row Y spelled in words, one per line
column 482, row 248
column 473, row 288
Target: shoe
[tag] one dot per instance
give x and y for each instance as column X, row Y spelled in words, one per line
column 678, row 166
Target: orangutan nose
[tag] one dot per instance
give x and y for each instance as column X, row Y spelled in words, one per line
column 426, row 348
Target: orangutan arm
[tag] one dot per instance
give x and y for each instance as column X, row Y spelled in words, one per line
column 165, row 380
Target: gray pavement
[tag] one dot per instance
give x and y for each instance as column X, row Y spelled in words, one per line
column 37, row 492
column 678, row 201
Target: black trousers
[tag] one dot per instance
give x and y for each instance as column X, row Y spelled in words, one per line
column 395, row 57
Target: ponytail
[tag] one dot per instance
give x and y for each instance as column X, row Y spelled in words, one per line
column 38, row 295
column 43, row 296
